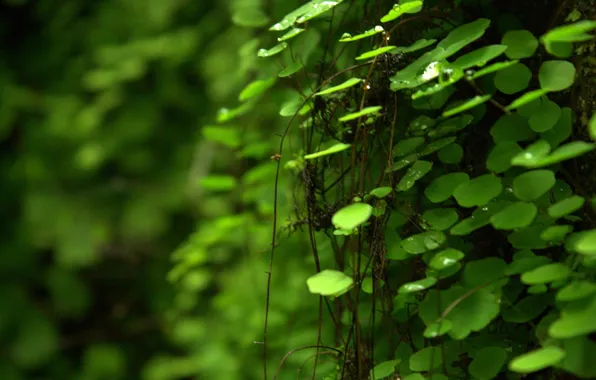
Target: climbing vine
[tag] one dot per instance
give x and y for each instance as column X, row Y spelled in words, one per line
column 430, row 163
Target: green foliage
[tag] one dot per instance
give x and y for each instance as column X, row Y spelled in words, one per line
column 425, row 190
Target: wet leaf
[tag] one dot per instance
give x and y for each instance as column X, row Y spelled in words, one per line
column 417, row 286
column 407, row 146
column 460, row 37
column 499, row 159
column 291, row 69
column 369, row 33
column 400, row 9
column 563, row 153
column 532, row 154
column 498, row 66
column 418, row 170
column 423, row 242
column 264, row 53
column 291, row 34
column 446, row 258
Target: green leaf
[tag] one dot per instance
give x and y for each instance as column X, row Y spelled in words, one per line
column 381, row 192
column 404, row 162
column 384, row 369
column 556, row 75
column 334, row 149
column 546, row 273
column 559, row 49
column 291, row 69
column 576, row 290
column 250, row 17
column 566, row 206
column 407, row 146
column 426, row 359
column 423, row 242
column 375, row 52
column 460, row 37
column 256, row 88
column 291, row 34
column 546, row 116
column 513, row 79
column 570, row 33
column 479, row 57
column 36, row 340
column 520, row 44
column 346, row 37
column 418, row 170
column 443, row 187
column 498, row 66
column 478, row 191
column 418, row 45
column 365, row 111
column 483, row 271
column 400, row 9
column 580, row 357
column 532, row 185
column 487, row 362
column 586, row 244
column 556, row 233
column 264, row 53
column 440, row 219
column 437, row 145
column 537, row 360
column 532, row 155
column 576, row 319
column 446, row 258
column 417, row 286
column 471, row 313
column 347, row 84
column 517, row 215
column 563, row 153
column 510, row 128
column 480, row 218
column 561, row 131
column 351, row 216
column 218, row 183
column 499, row 159
column 468, row 104
column 526, row 309
column 437, row 329
column 526, row 98
column 329, row 282
column 451, row 126
column 367, row 285
column 226, row 136
column 592, row 127
column 451, row 154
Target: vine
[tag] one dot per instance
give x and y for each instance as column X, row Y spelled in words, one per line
column 448, row 235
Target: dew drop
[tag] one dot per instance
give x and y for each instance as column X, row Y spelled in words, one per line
column 379, row 28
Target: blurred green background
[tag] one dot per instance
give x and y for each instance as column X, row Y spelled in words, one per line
column 108, row 165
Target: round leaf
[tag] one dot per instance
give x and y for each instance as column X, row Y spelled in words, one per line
column 517, row 215
column 352, row 216
column 478, row 191
column 440, row 219
column 426, row 359
column 426, row 241
column 520, row 44
column 546, row 273
column 537, row 360
column 451, row 154
column 532, row 185
column 566, row 206
column 545, row 117
column 513, row 79
column 556, row 75
column 383, row 370
column 443, row 187
column 436, row 329
column 499, row 159
column 446, row 258
column 329, row 282
column 487, row 363
column 576, row 290
column 417, row 286
column 511, row 127
column 586, row 244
